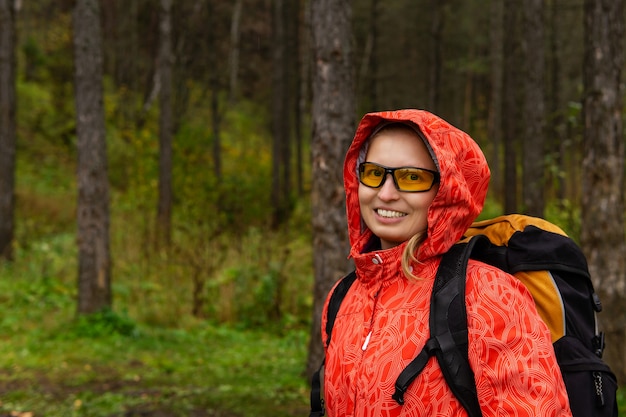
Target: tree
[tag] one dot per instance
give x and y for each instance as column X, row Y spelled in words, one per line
column 280, row 116
column 303, row 78
column 332, row 128
column 166, row 123
column 602, row 234
column 533, row 109
column 510, row 101
column 235, row 35
column 214, row 80
column 436, row 70
column 7, row 127
column 94, row 274
column 494, row 122
column 368, row 68
column 558, row 142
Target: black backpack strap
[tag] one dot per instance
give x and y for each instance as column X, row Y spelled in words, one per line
column 334, row 303
column 448, row 329
column 317, row 403
column 340, row 291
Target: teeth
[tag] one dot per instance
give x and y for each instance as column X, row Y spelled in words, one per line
column 389, row 213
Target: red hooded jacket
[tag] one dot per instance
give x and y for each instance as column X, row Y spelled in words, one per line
column 383, row 321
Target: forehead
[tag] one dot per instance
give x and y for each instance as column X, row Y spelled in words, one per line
column 399, row 146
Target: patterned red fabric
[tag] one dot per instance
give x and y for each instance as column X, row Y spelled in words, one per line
column 383, row 321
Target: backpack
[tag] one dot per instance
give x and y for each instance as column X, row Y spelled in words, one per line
column 555, row 271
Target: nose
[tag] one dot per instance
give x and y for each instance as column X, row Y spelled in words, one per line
column 388, row 191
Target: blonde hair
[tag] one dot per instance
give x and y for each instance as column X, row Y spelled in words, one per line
column 409, row 256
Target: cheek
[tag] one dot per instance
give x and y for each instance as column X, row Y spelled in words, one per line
column 421, row 203
column 365, row 195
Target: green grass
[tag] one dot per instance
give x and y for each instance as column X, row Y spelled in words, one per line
column 117, row 364
column 71, row 370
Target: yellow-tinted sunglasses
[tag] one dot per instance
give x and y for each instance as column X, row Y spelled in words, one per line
column 408, row 179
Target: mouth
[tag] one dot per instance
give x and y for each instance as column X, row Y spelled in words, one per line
column 389, row 214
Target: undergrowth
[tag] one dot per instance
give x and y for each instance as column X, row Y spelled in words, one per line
column 109, row 364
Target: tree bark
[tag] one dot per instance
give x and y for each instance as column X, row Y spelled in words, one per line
column 602, row 234
column 533, row 109
column 333, row 121
column 94, row 275
column 494, row 123
column 7, row 127
column 556, row 107
column 436, row 32
column 510, row 102
column 303, row 46
column 368, row 69
column 214, row 82
column 280, row 117
column 166, row 194
column 234, row 51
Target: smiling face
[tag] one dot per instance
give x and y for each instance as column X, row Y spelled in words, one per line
column 392, row 215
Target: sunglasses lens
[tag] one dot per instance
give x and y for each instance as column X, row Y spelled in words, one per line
column 372, row 175
column 406, row 179
column 414, row 179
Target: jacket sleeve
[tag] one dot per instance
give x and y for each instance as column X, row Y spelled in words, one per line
column 510, row 349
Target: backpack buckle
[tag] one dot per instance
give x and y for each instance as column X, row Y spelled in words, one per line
column 598, row 344
column 399, row 395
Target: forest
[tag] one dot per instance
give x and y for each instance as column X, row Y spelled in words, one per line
column 171, row 213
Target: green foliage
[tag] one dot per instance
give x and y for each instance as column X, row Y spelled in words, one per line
column 103, row 323
column 621, row 401
column 490, row 210
column 154, row 350
column 567, row 216
column 53, row 363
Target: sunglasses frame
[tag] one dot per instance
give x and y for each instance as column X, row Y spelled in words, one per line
column 389, row 170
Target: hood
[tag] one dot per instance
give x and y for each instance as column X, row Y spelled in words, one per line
column 462, row 189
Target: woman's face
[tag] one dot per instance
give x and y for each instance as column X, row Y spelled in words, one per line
column 392, row 215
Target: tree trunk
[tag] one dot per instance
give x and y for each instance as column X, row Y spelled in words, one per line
column 556, row 108
column 510, row 102
column 368, row 72
column 234, row 51
column 214, row 84
column 94, row 275
column 164, row 213
column 602, row 234
column 290, row 63
column 494, row 123
column 333, row 127
column 280, row 117
column 533, row 109
column 7, row 127
column 436, row 32
column 303, row 46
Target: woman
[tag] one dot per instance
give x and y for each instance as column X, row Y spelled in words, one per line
column 414, row 184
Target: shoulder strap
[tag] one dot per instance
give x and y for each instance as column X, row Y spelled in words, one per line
column 334, row 303
column 340, row 291
column 448, row 330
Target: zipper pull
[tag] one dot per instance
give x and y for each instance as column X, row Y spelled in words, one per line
column 367, row 341
column 597, row 377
